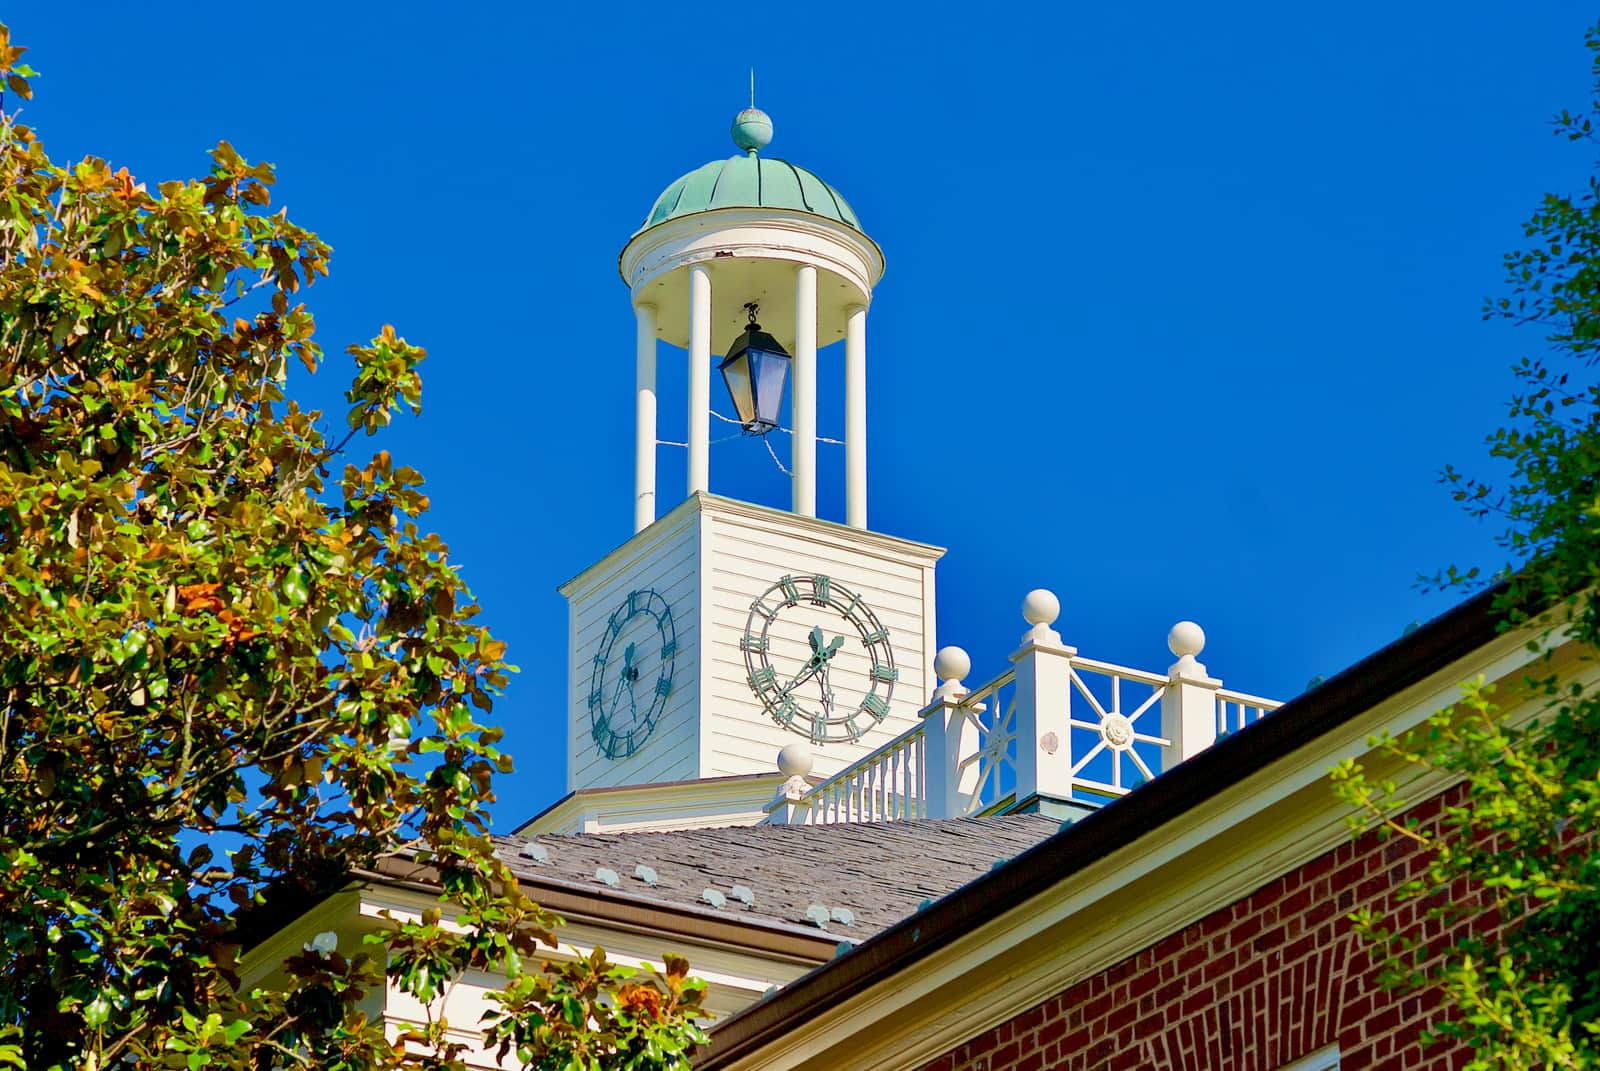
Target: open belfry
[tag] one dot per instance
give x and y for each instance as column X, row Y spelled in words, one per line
column 877, row 857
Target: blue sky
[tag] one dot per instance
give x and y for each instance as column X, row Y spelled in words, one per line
column 1181, row 316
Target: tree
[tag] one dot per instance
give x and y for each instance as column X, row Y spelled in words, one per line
column 1523, row 985
column 226, row 669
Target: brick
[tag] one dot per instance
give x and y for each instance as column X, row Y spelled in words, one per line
column 1253, row 985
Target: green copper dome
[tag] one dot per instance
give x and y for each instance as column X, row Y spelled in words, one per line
column 750, row 181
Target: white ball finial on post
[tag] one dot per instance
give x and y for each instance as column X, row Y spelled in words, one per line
column 951, row 665
column 1186, row 640
column 1040, row 608
column 795, row 760
column 1042, row 703
column 950, row 739
column 1189, row 701
column 791, row 806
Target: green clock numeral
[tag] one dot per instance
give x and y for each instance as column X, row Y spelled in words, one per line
column 614, row 626
column 596, row 700
column 764, row 610
column 876, row 636
column 753, row 643
column 819, row 728
column 669, row 650
column 791, row 594
column 787, row 711
column 876, row 705
column 633, row 601
column 664, row 687
column 764, row 679
column 855, row 731
column 882, row 672
column 821, row 590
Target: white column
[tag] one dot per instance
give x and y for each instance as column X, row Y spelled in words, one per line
column 803, row 461
column 1189, row 703
column 855, row 417
column 699, row 377
column 644, row 415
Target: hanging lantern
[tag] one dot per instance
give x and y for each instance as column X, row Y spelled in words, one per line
column 755, row 370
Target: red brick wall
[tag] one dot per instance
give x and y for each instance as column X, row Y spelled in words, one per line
column 1251, row 987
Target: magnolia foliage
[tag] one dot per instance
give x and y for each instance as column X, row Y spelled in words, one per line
column 233, row 668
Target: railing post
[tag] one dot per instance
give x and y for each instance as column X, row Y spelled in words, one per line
column 1043, row 703
column 792, row 805
column 1189, row 704
column 948, row 738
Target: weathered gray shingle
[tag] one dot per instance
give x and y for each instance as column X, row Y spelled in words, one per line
column 873, row 874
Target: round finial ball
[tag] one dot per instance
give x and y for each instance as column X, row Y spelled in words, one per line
column 1040, row 607
column 1186, row 638
column 752, row 129
column 951, row 664
column 795, row 760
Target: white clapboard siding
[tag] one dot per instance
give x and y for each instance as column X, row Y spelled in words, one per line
column 746, row 549
column 710, row 558
column 665, row 558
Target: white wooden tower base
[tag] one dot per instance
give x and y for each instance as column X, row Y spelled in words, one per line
column 709, row 560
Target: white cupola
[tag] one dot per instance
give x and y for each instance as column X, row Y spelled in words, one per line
column 723, row 632
column 739, row 240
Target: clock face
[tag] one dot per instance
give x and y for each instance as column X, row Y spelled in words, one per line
column 818, row 659
column 632, row 674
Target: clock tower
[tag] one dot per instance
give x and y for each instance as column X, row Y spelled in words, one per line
column 723, row 631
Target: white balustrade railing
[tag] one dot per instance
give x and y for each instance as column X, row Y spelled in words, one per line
column 1120, row 723
column 987, row 771
column 1235, row 710
column 885, row 786
column 1054, row 726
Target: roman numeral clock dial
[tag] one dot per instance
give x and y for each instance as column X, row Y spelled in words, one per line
column 632, row 674
column 819, row 661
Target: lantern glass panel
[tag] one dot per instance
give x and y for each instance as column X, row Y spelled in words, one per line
column 771, row 370
column 736, row 374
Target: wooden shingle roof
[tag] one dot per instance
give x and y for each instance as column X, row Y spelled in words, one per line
column 872, row 875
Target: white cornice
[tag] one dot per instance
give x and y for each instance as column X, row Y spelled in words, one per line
column 768, row 233
column 696, row 804
column 663, row 528
column 824, row 531
column 815, row 528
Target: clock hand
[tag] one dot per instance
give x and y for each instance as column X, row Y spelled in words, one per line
column 800, row 678
column 826, row 685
